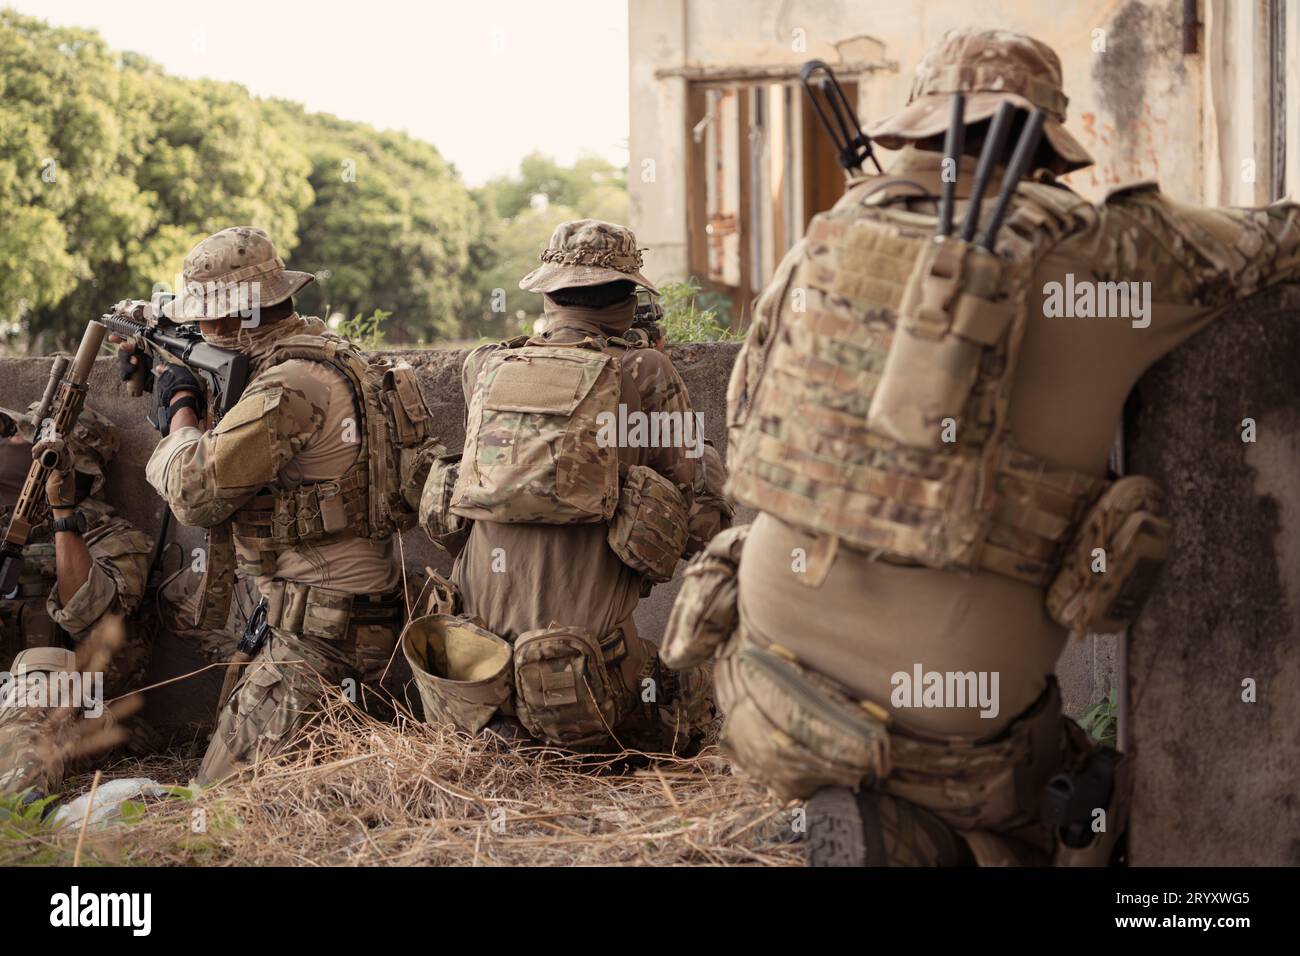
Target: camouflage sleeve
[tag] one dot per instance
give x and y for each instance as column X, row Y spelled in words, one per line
column 207, row 476
column 120, row 563
column 662, row 390
column 469, row 371
column 1195, row 255
column 711, row 512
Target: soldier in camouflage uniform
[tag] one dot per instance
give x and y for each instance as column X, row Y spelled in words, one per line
column 286, row 476
column 524, row 571
column 883, row 548
column 91, row 566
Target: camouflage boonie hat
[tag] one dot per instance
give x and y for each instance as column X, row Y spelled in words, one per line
column 222, row 273
column 989, row 66
column 93, row 443
column 587, row 252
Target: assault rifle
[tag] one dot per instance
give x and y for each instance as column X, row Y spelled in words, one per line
column 222, row 372
column 649, row 313
column 56, row 415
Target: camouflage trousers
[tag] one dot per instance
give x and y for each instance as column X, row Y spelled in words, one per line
column 801, row 734
column 29, row 759
column 283, row 687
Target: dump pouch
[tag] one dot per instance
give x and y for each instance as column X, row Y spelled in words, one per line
column 1111, row 566
column 948, row 317
column 565, row 693
column 792, row 729
column 648, row 531
column 705, row 613
column 444, row 527
column 462, row 671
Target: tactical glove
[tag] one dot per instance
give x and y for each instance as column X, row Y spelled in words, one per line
column 127, row 368
column 170, row 381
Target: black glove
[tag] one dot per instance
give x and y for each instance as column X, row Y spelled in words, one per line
column 169, row 381
column 143, row 361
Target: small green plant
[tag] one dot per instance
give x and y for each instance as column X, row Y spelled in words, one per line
column 692, row 315
column 365, row 331
column 1100, row 720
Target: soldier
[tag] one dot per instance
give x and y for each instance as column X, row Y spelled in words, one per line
column 573, row 521
column 83, row 565
column 304, row 475
column 926, row 440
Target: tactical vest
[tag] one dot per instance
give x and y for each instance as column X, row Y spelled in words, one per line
column 922, row 468
column 368, row 500
column 541, row 448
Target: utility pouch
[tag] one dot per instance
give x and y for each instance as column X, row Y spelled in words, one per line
column 1112, row 564
column 705, row 613
column 444, row 527
column 462, row 671
column 948, row 317
column 649, row 527
column 564, row 693
column 794, row 730
column 410, row 422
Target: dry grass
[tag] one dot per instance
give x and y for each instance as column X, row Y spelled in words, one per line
column 365, row 792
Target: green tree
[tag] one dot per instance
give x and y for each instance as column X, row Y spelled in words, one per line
column 392, row 227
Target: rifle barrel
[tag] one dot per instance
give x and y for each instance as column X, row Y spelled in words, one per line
column 87, row 352
column 57, row 371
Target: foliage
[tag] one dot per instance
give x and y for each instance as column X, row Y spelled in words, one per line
column 691, row 315
column 111, row 170
column 366, row 332
column 1100, row 720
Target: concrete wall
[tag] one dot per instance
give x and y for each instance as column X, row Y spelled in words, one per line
column 1217, row 776
column 186, row 707
column 1142, row 107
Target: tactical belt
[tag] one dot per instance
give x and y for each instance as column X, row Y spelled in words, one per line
column 275, row 521
column 314, row 611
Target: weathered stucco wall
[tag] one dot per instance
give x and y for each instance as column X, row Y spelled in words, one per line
column 1136, row 106
column 1217, row 776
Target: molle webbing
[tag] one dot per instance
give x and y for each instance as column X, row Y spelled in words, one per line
column 316, row 513
column 280, row 519
column 807, row 455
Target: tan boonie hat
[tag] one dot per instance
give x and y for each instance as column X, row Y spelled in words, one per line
column 93, row 443
column 587, row 252
column 231, row 272
column 989, row 66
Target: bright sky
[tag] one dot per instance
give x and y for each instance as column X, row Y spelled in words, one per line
column 486, row 81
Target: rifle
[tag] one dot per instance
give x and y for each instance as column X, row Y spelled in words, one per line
column 852, row 144
column 649, row 313
column 222, row 372
column 56, row 415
